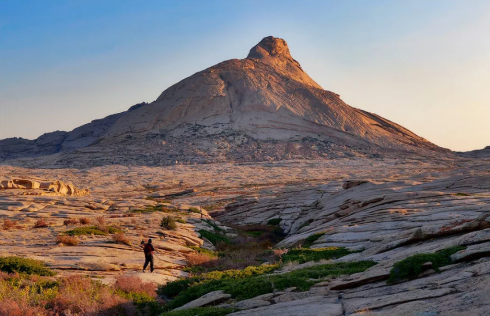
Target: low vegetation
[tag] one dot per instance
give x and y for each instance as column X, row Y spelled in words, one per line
column 68, row 240
column 197, row 259
column 168, row 222
column 180, row 220
column 20, row 265
column 462, row 194
column 121, row 238
column 310, row 240
column 214, row 238
column 156, row 208
column 41, row 224
column 71, row 222
column 100, row 220
column 274, row 221
column 194, row 210
column 251, row 246
column 254, row 281
column 302, row 255
column 92, row 230
column 411, row 267
column 9, row 224
column 84, row 221
column 76, row 295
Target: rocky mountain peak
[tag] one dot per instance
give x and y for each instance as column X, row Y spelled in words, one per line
column 223, row 113
column 270, row 46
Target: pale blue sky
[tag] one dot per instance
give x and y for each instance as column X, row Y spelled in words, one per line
column 423, row 64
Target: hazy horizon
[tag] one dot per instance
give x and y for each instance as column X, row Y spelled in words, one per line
column 423, row 65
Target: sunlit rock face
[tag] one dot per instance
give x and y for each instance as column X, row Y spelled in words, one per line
column 263, row 107
column 265, row 96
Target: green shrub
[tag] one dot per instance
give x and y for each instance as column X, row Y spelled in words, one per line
column 304, row 255
column 310, row 240
column 240, row 274
column 144, row 302
column 113, row 230
column 274, row 221
column 411, row 267
column 214, row 238
column 203, row 251
column 201, row 311
column 254, row 281
column 181, row 220
column 92, row 230
column 174, row 288
column 155, row 208
column 462, row 194
column 194, row 210
column 168, row 222
column 14, row 264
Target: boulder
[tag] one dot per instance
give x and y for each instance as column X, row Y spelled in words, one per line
column 211, row 298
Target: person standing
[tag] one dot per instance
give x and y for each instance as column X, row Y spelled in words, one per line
column 149, row 250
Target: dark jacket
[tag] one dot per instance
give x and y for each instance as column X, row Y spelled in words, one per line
column 148, row 249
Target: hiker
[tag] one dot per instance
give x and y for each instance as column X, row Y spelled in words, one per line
column 149, row 250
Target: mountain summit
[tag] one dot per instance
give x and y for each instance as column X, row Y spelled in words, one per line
column 262, row 107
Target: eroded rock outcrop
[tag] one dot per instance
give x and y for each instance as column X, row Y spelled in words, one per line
column 52, row 186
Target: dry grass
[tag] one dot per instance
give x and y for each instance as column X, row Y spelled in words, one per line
column 71, row 222
column 121, row 238
column 80, row 296
column 76, row 295
column 101, row 220
column 132, row 284
column 84, row 221
column 196, row 259
column 41, row 223
column 68, row 240
column 20, row 307
column 9, row 224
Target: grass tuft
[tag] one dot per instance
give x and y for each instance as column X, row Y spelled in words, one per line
column 67, row 240
column 214, row 238
column 411, row 267
column 41, row 224
column 274, row 221
column 310, row 240
column 302, row 255
column 156, row 208
column 14, row 264
column 121, row 238
column 168, row 222
column 194, row 210
column 92, row 230
column 84, row 221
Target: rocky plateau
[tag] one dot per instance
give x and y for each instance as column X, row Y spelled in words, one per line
column 252, row 140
